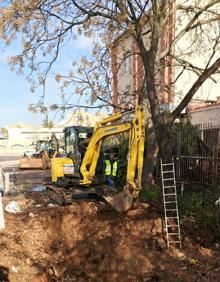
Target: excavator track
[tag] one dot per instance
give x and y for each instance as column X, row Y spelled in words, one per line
column 59, row 195
column 66, row 194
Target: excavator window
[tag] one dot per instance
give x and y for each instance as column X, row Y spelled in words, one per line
column 42, row 145
column 70, row 140
column 76, row 141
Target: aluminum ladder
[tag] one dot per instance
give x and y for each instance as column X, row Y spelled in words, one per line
column 171, row 213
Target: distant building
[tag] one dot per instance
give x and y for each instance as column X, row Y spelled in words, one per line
column 208, row 115
column 21, row 137
column 128, row 72
column 83, row 118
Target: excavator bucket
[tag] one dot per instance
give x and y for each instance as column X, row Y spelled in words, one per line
column 121, row 202
column 33, row 163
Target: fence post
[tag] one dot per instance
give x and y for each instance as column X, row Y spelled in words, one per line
column 178, row 151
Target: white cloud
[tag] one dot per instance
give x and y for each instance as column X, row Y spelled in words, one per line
column 83, row 42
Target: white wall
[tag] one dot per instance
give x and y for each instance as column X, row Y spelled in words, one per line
column 21, row 139
column 210, row 114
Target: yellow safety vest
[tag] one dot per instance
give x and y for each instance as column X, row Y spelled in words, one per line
column 109, row 170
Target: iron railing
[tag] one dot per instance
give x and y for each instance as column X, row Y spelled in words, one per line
column 196, row 152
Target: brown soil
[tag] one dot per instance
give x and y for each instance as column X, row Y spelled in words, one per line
column 87, row 241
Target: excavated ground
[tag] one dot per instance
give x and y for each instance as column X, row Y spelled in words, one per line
column 87, row 241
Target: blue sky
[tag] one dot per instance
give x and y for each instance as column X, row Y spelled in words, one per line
column 15, row 94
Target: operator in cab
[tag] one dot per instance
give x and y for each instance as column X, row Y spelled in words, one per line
column 111, row 166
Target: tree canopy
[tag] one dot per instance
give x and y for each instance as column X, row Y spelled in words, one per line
column 45, row 27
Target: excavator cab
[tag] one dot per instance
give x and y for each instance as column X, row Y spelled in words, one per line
column 43, row 145
column 76, row 140
column 40, row 159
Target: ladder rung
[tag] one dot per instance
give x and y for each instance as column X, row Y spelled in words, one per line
column 167, row 164
column 171, row 209
column 169, row 171
column 172, row 225
column 170, row 202
column 171, row 234
column 172, row 186
column 171, row 217
column 168, row 179
column 170, row 242
column 171, row 194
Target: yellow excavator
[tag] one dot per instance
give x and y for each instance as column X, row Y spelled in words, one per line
column 103, row 129
column 41, row 159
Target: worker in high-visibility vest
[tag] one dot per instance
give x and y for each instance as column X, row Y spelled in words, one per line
column 111, row 166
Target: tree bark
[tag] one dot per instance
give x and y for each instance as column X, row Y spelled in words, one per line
column 150, row 158
column 164, row 142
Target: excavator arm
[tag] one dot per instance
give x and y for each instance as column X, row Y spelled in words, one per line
column 90, row 159
column 136, row 153
column 123, row 201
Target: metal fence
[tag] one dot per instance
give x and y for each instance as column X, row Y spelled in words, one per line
column 196, row 152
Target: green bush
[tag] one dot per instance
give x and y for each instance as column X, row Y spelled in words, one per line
column 198, row 212
column 184, row 138
column 152, row 194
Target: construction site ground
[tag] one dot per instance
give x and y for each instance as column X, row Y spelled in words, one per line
column 89, row 241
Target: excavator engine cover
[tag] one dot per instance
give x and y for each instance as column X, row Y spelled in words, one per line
column 59, row 167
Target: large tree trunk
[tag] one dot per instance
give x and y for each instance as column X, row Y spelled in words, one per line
column 163, row 135
column 155, row 146
column 151, row 145
column 150, row 159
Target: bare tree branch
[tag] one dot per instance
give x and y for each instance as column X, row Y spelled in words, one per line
column 201, row 79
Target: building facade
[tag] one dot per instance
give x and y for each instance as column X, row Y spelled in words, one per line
column 206, row 115
column 128, row 72
column 174, row 79
column 20, row 137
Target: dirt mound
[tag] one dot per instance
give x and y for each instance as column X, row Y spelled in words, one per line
column 87, row 241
